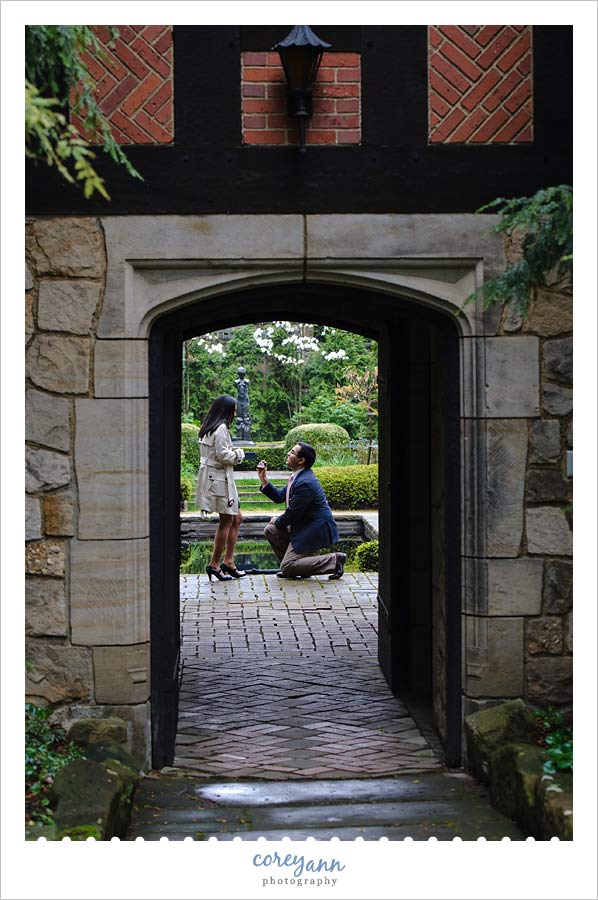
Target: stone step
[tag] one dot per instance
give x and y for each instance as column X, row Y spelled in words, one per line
column 443, row 805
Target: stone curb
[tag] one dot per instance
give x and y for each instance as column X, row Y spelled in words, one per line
column 501, row 752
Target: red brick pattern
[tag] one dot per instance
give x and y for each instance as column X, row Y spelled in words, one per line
column 480, row 84
column 336, row 115
column 134, row 83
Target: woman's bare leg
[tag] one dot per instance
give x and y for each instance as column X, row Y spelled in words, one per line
column 231, row 540
column 220, row 538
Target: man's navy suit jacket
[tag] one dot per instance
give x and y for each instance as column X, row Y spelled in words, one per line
column 308, row 513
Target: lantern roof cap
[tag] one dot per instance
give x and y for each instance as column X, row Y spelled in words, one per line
column 300, row 36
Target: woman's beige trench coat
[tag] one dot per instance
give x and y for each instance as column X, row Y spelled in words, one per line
column 216, row 490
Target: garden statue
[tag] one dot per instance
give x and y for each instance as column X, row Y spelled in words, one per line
column 243, row 417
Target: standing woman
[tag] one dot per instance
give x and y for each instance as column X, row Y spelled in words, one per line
column 216, row 490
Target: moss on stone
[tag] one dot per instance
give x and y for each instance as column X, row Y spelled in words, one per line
column 492, row 728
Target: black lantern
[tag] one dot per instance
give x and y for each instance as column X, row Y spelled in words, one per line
column 301, row 53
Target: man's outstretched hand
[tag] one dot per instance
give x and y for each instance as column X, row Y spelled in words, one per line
column 262, row 471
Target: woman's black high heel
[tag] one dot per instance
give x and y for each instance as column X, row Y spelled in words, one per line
column 212, row 571
column 236, row 573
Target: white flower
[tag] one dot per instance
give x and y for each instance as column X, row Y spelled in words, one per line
column 336, row 354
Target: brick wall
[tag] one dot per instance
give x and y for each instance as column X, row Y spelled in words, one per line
column 134, row 83
column 336, row 107
column 480, row 84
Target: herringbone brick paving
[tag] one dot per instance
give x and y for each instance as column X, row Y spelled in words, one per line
column 280, row 680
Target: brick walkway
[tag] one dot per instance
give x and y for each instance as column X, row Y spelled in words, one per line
column 280, row 680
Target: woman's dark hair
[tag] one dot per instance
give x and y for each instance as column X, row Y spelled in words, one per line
column 307, row 453
column 221, row 410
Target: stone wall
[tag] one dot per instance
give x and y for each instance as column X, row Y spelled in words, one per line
column 75, row 614
column 93, row 289
column 525, row 588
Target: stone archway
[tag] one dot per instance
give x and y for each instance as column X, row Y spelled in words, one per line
column 419, row 593
column 158, row 265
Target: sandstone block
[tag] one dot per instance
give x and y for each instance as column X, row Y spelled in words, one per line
column 29, row 317
column 547, row 486
column 513, row 320
column 506, row 460
column 33, row 519
column 502, row 673
column 550, row 314
column 120, row 369
column 558, row 359
column 548, row 532
column 45, row 607
column 137, row 717
column 545, row 636
column 550, row 680
column 122, row 674
column 58, row 514
column 512, row 379
column 67, row 305
column 45, row 558
column 557, row 400
column 558, row 587
column 47, row 420
column 515, row 587
column 57, row 672
column 46, row 470
column 111, row 462
column 59, row 364
column 110, row 592
column 489, row 729
column 545, row 441
column 86, row 731
column 73, row 246
column 569, row 633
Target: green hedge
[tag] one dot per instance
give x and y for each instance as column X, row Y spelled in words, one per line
column 366, row 556
column 318, row 434
column 350, row 487
column 274, row 454
column 187, row 488
column 189, row 449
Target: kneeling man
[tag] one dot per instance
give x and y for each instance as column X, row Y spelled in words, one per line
column 307, row 523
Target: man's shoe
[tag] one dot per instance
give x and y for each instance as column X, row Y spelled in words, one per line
column 340, row 567
column 292, row 577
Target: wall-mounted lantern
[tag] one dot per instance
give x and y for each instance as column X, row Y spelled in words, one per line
column 300, row 54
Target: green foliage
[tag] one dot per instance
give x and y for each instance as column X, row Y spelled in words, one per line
column 350, row 487
column 545, row 222
column 274, row 453
column 56, row 79
column 187, row 488
column 366, row 556
column 319, row 434
column 336, row 457
column 350, row 416
column 46, row 752
column 282, row 392
column 189, row 450
column 557, row 737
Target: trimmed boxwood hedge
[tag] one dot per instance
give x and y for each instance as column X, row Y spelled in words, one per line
column 274, row 454
column 319, row 434
column 366, row 556
column 350, row 487
column 189, row 448
column 187, row 488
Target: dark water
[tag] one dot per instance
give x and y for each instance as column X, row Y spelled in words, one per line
column 195, row 555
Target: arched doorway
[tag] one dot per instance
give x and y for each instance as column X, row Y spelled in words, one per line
column 419, row 599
